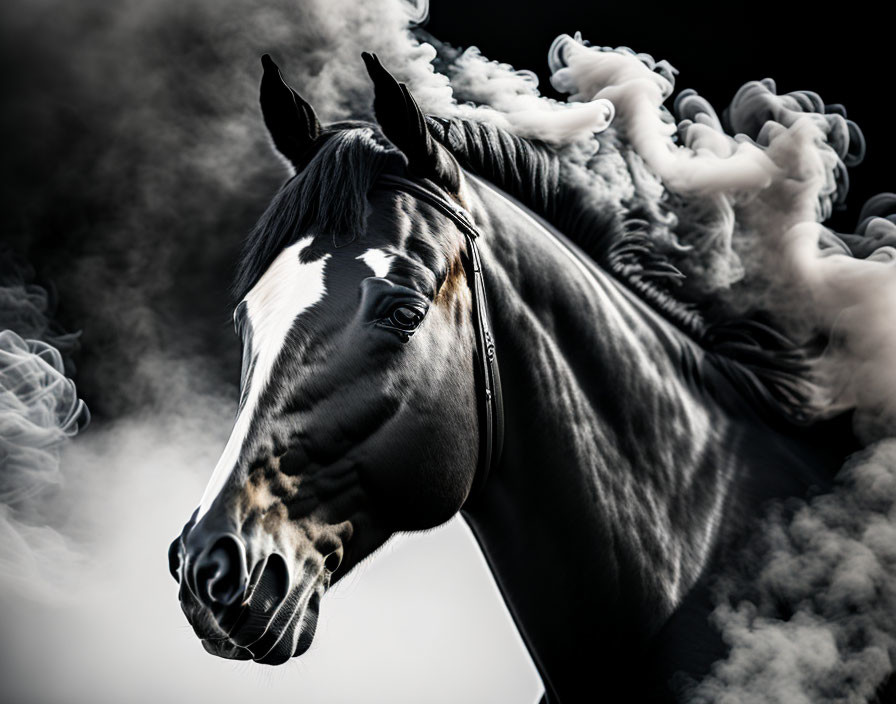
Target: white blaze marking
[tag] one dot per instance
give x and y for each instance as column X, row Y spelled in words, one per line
column 378, row 261
column 282, row 294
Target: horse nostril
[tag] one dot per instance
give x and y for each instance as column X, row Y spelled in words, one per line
column 221, row 572
column 332, row 561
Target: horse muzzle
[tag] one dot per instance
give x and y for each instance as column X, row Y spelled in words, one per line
column 267, row 613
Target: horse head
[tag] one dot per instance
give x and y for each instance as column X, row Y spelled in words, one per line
column 358, row 411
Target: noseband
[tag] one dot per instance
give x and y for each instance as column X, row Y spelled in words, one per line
column 488, row 383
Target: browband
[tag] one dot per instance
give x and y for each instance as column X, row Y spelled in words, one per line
column 491, row 420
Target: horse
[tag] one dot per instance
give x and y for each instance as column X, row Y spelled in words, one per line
column 432, row 322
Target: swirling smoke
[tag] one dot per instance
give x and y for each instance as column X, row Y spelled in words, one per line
column 145, row 160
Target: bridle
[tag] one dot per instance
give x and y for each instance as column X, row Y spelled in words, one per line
column 488, row 382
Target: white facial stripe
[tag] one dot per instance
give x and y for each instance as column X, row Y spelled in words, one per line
column 378, row 261
column 287, row 289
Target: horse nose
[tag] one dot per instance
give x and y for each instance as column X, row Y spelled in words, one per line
column 219, row 574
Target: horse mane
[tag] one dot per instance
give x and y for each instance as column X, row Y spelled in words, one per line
column 770, row 370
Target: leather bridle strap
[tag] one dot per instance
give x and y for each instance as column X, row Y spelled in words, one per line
column 491, row 419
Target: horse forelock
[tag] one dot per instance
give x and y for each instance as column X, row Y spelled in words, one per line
column 328, row 197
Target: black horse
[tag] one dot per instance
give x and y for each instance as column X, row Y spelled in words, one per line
column 610, row 472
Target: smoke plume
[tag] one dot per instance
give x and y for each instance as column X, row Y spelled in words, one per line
column 39, row 412
column 831, row 563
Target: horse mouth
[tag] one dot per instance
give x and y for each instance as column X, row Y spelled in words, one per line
column 277, row 644
column 270, row 625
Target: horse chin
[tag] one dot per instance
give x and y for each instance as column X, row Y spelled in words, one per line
column 223, row 648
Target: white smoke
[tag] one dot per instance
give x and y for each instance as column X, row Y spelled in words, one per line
column 39, row 412
column 495, row 92
column 834, row 563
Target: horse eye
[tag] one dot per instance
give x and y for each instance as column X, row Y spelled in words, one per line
column 405, row 317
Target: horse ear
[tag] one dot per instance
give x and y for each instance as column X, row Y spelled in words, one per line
column 404, row 124
column 289, row 118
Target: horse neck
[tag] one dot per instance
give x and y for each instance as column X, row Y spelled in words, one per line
column 613, row 461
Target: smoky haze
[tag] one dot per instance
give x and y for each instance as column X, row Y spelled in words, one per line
column 140, row 159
